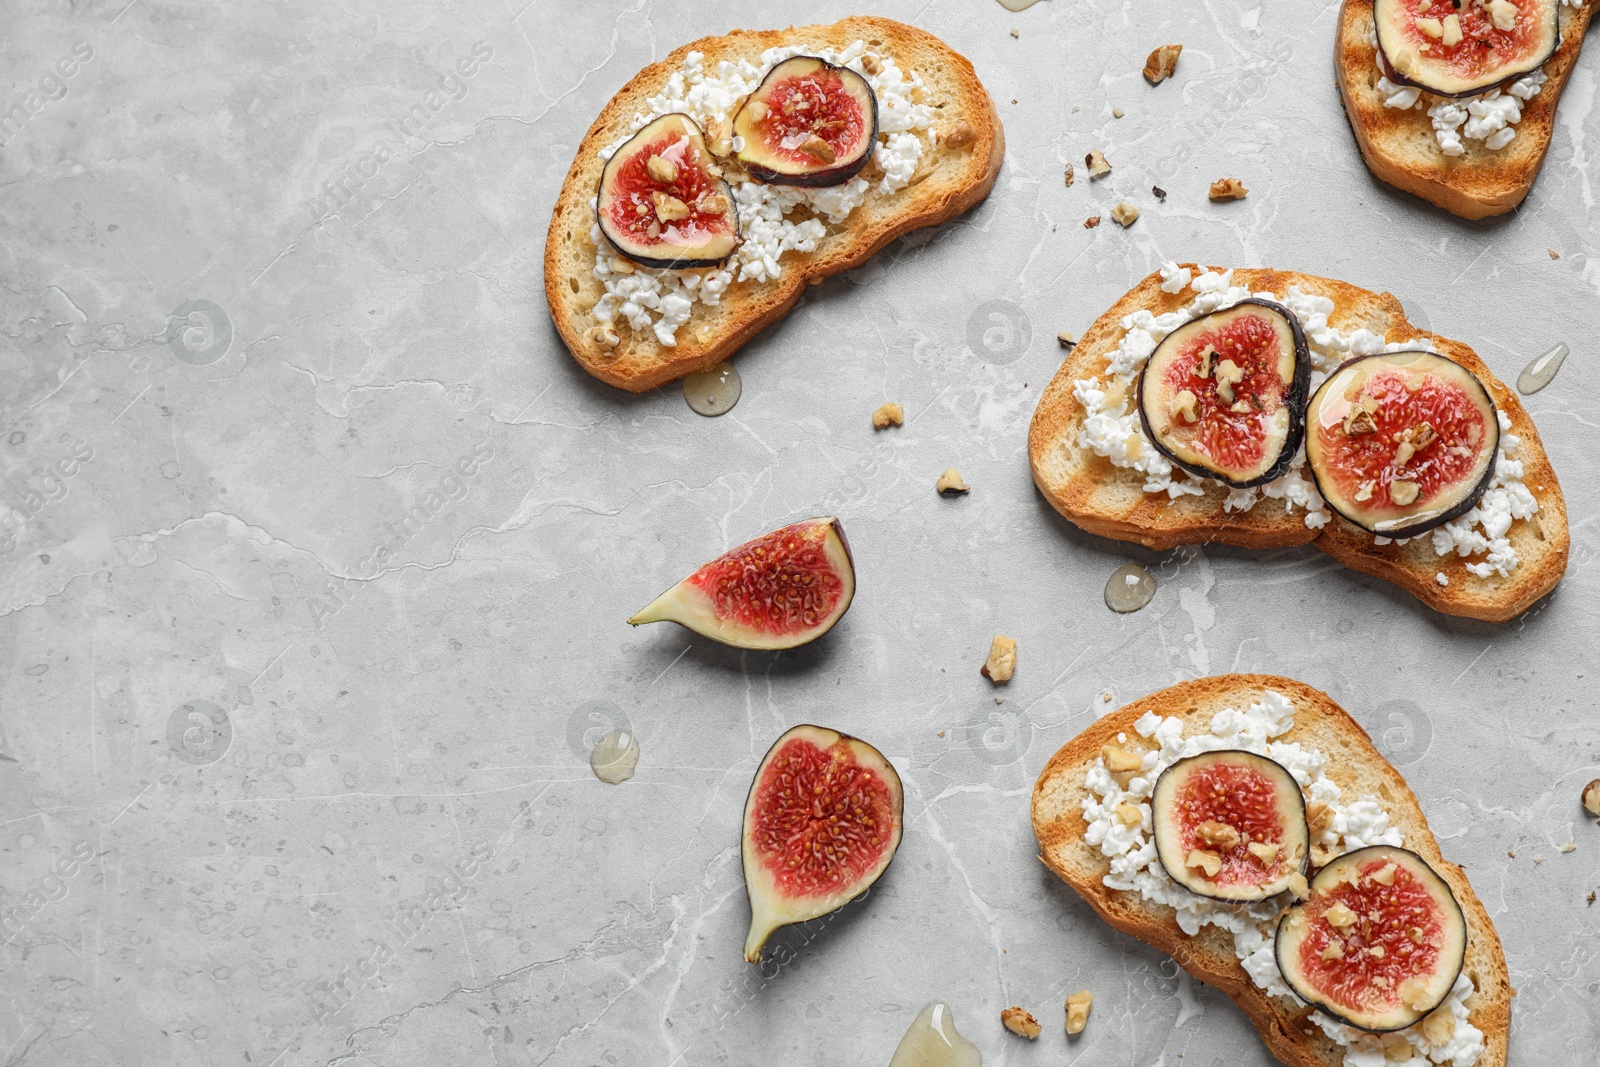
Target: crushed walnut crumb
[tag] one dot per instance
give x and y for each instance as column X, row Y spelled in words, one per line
column 1228, row 189
column 1161, row 63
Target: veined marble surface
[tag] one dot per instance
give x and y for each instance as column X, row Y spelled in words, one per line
column 293, row 773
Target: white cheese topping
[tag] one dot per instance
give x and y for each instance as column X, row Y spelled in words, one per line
column 662, row 300
column 1111, row 425
column 1484, row 528
column 1356, row 823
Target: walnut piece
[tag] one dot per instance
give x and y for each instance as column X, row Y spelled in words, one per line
column 1065, row 339
column 1125, row 214
column 1228, row 189
column 817, row 149
column 1207, row 862
column 1183, row 406
column 891, row 414
column 1403, row 493
column 1097, row 164
column 1298, row 886
column 1161, row 63
column 1120, row 760
column 1130, row 815
column 1218, row 835
column 1340, row 916
column 1002, row 661
column 1319, row 816
column 1384, row 875
column 950, row 483
column 1591, row 798
column 870, row 64
column 1229, row 374
column 1078, row 1005
column 1334, row 951
column 960, row 137
column 1020, row 1022
column 669, row 208
column 662, row 170
column 1263, row 851
column 1069, row 175
column 1091, row 222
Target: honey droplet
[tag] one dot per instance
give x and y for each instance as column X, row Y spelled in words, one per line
column 614, row 757
column 713, row 392
column 1130, row 588
column 1538, row 374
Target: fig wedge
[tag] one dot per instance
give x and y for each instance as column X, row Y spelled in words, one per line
column 1230, row 825
column 808, row 123
column 1402, row 442
column 821, row 823
column 1222, row 396
column 782, row 590
column 1379, row 941
column 1463, row 49
column 662, row 201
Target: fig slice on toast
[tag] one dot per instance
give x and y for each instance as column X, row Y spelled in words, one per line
column 1461, row 49
column 1402, row 442
column 821, row 823
column 663, row 202
column 1379, row 941
column 781, row 590
column 1222, row 396
column 808, row 123
column 1230, row 825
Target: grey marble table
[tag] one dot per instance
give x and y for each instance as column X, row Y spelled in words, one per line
column 288, row 778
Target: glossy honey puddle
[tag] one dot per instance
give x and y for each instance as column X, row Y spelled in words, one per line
column 933, row 1041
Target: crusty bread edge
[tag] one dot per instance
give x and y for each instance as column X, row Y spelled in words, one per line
column 1281, row 1030
column 1465, row 201
column 799, row 272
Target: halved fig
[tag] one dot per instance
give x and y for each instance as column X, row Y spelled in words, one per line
column 1460, row 49
column 808, row 123
column 821, row 823
column 1379, row 941
column 1230, row 825
column 661, row 203
column 1401, row 442
column 781, row 590
column 1222, row 395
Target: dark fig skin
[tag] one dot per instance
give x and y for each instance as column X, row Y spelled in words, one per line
column 1155, row 821
column 1467, row 502
column 1395, row 76
column 657, row 262
column 1294, row 400
column 814, row 179
column 1333, row 1013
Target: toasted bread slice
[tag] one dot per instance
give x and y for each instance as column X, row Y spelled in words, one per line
column 1358, row 769
column 949, row 179
column 1111, row 501
column 1399, row 146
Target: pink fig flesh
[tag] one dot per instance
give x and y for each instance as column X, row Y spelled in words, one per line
column 821, row 823
column 781, row 590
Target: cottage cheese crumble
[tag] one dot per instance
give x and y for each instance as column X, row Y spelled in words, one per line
column 1356, row 823
column 772, row 219
column 1112, row 428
